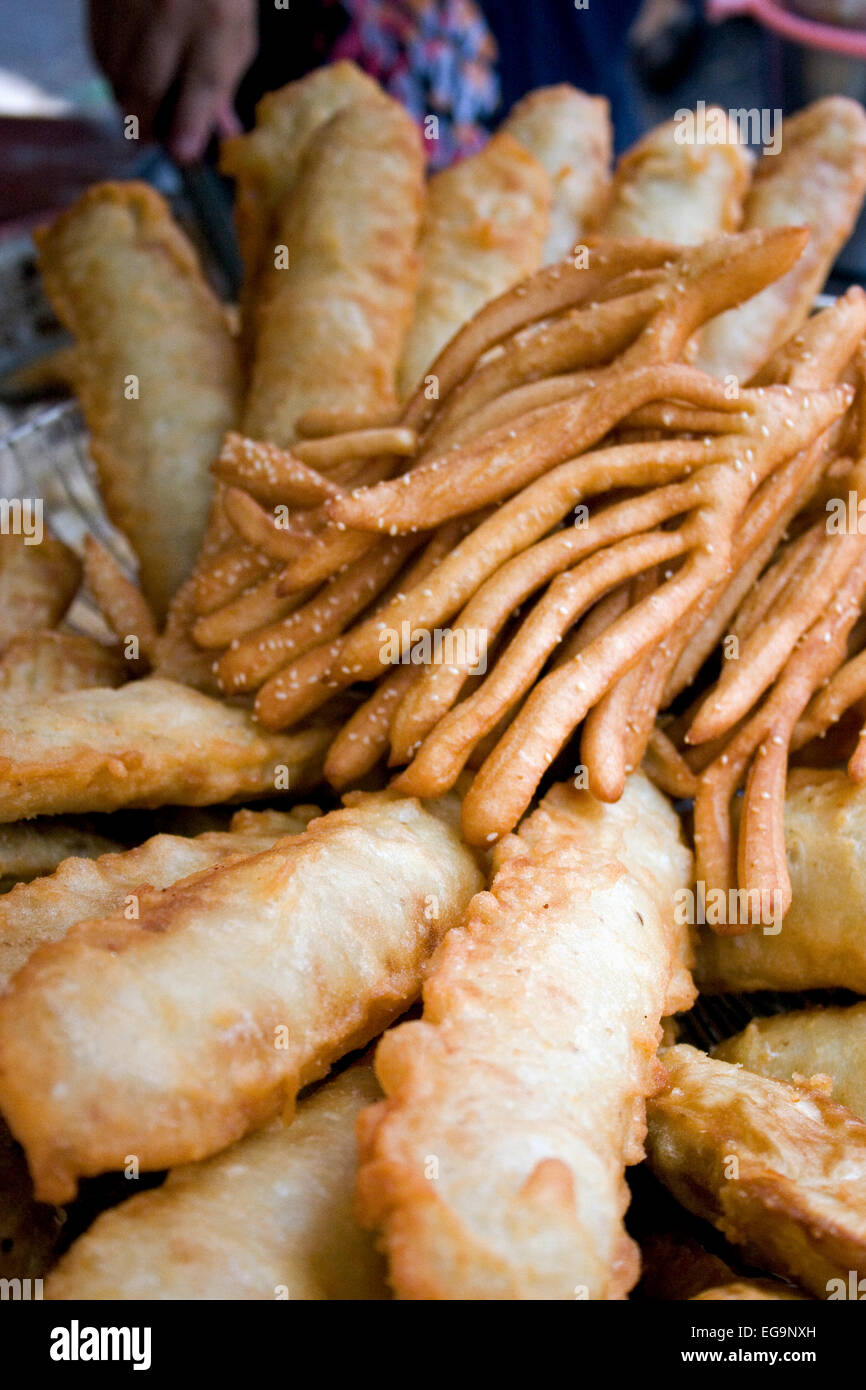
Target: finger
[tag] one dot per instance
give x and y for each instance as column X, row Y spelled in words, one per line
column 151, row 65
column 215, row 63
column 227, row 122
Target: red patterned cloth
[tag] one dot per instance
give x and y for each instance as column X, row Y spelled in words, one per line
column 437, row 58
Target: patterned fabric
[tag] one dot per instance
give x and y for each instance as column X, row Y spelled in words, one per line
column 437, row 57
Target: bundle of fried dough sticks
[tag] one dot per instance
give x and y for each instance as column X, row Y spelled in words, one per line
column 519, row 502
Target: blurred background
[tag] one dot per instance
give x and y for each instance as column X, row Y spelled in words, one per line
column 191, row 71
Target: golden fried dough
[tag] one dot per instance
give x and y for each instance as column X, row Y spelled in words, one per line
column 570, row 135
column 817, row 179
column 42, row 663
column 822, row 943
column 265, row 164
column 495, row 1168
column 778, row 1169
column 483, row 229
column 676, row 188
column 156, row 369
column 148, row 743
column 749, row 1290
column 820, row 1043
column 330, row 324
column 38, row 582
column 33, row 914
column 270, row 1217
column 229, row 991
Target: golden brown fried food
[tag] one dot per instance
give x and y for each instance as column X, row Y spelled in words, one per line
column 817, row 179
column 483, row 229
column 330, row 325
column 270, row 1217
column 749, row 1290
column 42, row 663
column 570, row 135
column 38, row 581
column 675, row 187
column 829, row 1043
column 177, row 657
column 109, row 879
column 779, row 1169
column 30, row 848
column 822, row 943
column 120, row 602
column 229, row 992
column 156, row 369
column 495, row 1168
column 265, row 164
column 148, row 743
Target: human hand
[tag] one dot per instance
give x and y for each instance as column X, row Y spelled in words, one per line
column 199, row 49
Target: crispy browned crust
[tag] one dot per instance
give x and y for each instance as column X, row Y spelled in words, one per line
column 750, row 1291
column 120, row 601
column 516, row 1086
column 483, row 229
column 126, row 282
column 827, row 1046
column 229, row 991
column 269, row 1217
column 817, row 179
column 676, row 191
column 75, row 888
column 264, row 164
column 150, row 743
column 42, row 663
column 822, row 944
column 176, row 656
column 329, row 328
column 37, row 584
column 779, row 1169
column 570, row 134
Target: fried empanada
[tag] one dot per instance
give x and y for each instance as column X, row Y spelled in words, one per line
column 108, row 880
column 265, row 162
column 336, row 296
column 570, row 135
column 269, row 1218
column 675, row 187
column 156, row 369
column 170, row 1033
column 149, row 743
column 495, row 1169
column 29, row 848
column 779, row 1169
column 817, row 179
column 827, row 1044
column 822, row 944
column 38, row 581
column 484, row 227
column 36, row 665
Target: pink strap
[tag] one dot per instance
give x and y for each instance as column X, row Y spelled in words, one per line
column 791, row 26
